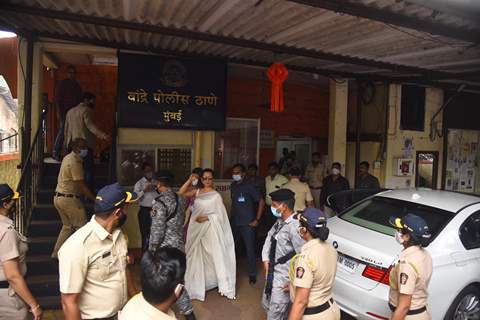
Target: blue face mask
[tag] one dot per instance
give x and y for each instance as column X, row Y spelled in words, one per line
column 275, row 212
column 83, row 153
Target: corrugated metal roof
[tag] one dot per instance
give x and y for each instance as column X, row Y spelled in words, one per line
column 270, row 21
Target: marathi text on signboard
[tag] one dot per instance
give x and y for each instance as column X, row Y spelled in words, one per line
column 159, row 92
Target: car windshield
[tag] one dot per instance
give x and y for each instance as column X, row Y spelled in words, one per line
column 374, row 213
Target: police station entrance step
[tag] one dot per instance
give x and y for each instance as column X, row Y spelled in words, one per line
column 45, row 225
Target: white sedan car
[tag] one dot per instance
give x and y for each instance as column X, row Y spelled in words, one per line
column 367, row 250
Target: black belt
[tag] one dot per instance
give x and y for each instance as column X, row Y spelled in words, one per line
column 410, row 312
column 4, row 284
column 318, row 309
column 59, row 194
column 315, row 188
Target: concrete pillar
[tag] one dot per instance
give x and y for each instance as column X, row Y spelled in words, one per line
column 198, row 149
column 337, row 125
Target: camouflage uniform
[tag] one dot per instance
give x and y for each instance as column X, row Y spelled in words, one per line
column 167, row 231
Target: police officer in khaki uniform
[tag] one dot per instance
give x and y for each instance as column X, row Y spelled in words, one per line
column 411, row 274
column 15, row 297
column 93, row 261
column 313, row 271
column 70, row 186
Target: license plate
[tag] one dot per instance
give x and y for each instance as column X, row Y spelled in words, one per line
column 347, row 264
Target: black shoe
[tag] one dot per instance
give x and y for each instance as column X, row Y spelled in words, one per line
column 190, row 316
column 253, row 280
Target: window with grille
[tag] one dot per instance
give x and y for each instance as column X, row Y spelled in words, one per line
column 176, row 160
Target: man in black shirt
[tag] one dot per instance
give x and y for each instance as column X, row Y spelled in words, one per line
column 365, row 179
column 333, row 183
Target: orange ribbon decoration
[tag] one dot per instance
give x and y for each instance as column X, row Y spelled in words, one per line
column 277, row 73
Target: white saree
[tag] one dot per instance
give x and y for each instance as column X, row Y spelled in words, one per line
column 210, row 249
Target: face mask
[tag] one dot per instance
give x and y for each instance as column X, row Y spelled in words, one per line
column 398, row 237
column 275, row 212
column 237, row 177
column 83, row 153
column 335, row 171
column 194, row 182
column 122, row 219
column 149, row 175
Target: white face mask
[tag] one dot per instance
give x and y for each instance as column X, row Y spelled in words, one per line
column 399, row 237
column 237, row 177
column 335, row 171
column 194, row 182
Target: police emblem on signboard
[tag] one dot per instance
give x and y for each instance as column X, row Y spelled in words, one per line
column 174, row 74
column 300, row 272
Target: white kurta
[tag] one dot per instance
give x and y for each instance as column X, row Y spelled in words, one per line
column 210, row 249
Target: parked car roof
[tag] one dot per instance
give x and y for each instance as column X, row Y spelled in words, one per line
column 446, row 200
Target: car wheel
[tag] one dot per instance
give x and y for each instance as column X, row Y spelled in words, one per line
column 466, row 305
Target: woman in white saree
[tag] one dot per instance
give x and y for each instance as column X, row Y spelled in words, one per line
column 209, row 248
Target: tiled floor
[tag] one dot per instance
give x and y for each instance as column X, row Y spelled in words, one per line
column 247, row 306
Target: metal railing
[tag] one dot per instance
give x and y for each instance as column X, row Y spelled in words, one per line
column 31, row 173
column 9, row 144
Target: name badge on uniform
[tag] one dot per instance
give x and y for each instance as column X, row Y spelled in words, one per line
column 241, row 198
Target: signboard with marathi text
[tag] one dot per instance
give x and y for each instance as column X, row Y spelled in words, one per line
column 170, row 93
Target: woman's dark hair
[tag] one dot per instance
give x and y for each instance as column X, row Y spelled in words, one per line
column 416, row 241
column 207, row 170
column 197, row 170
column 317, row 232
column 161, row 272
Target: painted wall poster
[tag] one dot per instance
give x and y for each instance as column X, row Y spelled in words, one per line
column 463, row 154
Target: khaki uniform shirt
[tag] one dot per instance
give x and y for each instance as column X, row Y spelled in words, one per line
column 93, row 263
column 79, row 124
column 315, row 175
column 411, row 276
column 272, row 185
column 315, row 268
column 12, row 245
column 302, row 193
column 71, row 170
column 139, row 309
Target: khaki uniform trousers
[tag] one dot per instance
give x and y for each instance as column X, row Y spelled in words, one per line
column 316, row 196
column 12, row 307
column 332, row 313
column 73, row 215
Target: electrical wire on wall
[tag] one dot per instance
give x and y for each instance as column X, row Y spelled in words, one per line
column 434, row 131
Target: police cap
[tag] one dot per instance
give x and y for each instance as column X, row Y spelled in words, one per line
column 413, row 224
column 282, row 195
column 111, row 197
column 7, row 194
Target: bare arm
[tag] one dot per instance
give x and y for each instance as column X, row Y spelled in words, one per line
column 82, row 186
column 300, row 303
column 184, row 192
column 131, row 285
column 404, row 302
column 70, row 306
column 17, row 282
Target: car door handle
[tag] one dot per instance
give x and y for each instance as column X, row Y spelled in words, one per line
column 460, row 258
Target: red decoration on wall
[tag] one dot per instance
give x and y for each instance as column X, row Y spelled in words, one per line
column 277, row 73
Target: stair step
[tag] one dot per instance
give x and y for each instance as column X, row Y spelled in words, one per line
column 45, row 196
column 45, row 212
column 41, row 245
column 52, row 169
column 50, row 182
column 44, row 285
column 50, row 302
column 44, row 228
